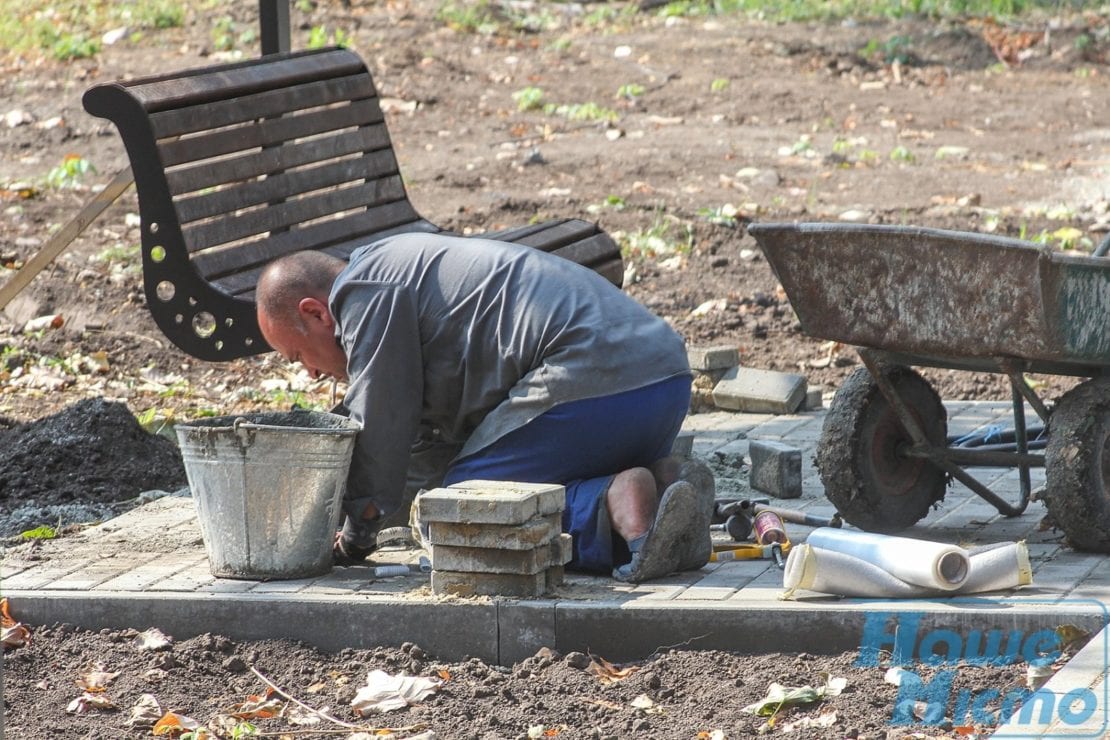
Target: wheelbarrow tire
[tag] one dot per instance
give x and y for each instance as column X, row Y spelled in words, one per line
column 1077, row 465
column 872, row 485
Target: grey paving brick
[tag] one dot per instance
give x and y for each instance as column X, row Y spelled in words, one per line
column 146, row 573
column 526, row 536
column 776, row 468
column 493, row 502
column 92, row 574
column 752, row 389
column 291, row 586
column 190, row 579
column 713, row 358
column 493, row 560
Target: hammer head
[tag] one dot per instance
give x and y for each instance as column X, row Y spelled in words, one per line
column 727, row 507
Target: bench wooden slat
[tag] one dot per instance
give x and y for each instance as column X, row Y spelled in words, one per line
column 242, row 284
column 372, row 165
column 548, row 236
column 264, row 105
column 269, row 132
column 206, row 85
column 588, row 252
column 282, row 215
column 233, row 169
column 219, row 263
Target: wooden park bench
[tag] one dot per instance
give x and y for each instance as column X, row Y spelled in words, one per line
column 238, row 164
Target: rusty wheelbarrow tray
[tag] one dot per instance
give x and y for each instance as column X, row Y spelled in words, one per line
column 910, row 296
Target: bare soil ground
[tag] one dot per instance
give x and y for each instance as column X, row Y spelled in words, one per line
column 965, row 125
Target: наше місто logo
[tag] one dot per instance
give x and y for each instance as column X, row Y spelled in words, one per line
column 1068, row 711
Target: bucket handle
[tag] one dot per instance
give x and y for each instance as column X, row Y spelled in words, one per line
column 246, row 436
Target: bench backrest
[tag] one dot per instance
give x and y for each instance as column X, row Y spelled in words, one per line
column 239, row 164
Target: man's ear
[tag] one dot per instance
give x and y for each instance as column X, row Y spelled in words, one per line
column 314, row 310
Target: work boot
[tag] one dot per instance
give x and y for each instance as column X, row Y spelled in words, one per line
column 677, row 540
column 700, row 477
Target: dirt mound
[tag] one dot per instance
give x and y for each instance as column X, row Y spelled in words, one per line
column 93, row 452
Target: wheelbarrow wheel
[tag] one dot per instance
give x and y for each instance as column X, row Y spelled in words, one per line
column 1077, row 465
column 872, row 484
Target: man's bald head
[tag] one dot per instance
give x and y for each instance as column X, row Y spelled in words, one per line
column 287, row 280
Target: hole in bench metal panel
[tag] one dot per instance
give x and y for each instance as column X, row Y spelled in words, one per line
column 157, row 253
column 204, row 324
column 165, row 291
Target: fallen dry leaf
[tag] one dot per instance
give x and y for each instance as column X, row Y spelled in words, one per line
column 12, row 633
column 97, row 679
column 260, row 707
column 145, row 712
column 384, row 693
column 89, row 701
column 152, row 639
column 174, row 724
column 300, row 717
column 607, row 672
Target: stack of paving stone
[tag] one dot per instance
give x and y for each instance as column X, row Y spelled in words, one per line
column 495, row 538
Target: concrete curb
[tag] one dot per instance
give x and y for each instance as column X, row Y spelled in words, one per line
column 505, row 630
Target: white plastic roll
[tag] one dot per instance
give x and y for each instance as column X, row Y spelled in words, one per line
column 831, row 572
column 998, row 567
column 991, row 568
column 919, row 562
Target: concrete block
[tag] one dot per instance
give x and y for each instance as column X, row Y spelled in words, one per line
column 491, row 502
column 814, row 399
column 776, row 468
column 683, row 445
column 713, row 358
column 558, row 551
column 556, row 574
column 489, row 584
column 753, row 390
column 527, row 536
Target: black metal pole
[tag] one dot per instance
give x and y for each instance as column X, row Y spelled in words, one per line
column 273, row 21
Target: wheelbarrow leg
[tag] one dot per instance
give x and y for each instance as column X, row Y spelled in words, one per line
column 1022, row 443
column 932, row 454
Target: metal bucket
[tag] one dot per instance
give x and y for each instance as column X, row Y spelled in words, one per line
column 268, row 489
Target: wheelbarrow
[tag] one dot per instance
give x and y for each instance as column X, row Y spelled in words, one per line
column 909, row 296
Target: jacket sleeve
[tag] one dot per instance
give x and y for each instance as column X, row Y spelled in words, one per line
column 379, row 329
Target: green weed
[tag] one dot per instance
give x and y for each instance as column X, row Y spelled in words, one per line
column 66, row 47
column 657, row 239
column 159, row 15
column 902, row 154
column 582, row 112
column 719, row 85
column 529, row 98
column 227, row 35
column 70, row 172
column 127, row 254
column 470, row 17
column 894, row 49
column 631, row 91
column 724, row 215
column 614, row 202
column 318, row 38
column 44, row 532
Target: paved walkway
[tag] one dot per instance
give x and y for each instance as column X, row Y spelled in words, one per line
column 148, row 568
